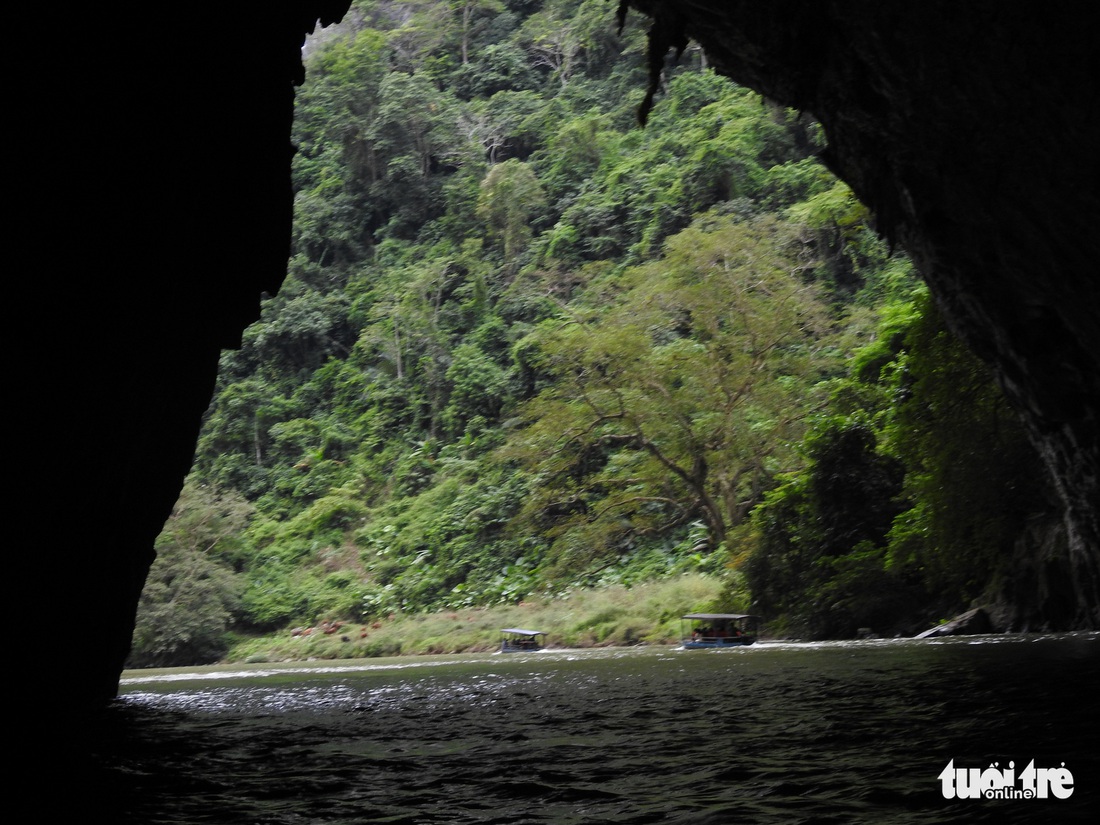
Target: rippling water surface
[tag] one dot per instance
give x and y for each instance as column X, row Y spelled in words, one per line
column 774, row 733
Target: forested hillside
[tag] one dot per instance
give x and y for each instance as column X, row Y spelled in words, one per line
column 527, row 346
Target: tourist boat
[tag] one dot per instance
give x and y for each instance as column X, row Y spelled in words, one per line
column 517, row 639
column 704, row 630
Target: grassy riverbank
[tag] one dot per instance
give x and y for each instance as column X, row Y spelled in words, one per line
column 647, row 613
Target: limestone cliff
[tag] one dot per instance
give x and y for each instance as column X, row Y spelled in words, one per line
column 143, row 144
column 970, row 129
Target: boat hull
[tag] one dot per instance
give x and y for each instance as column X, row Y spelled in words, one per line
column 716, row 643
column 505, row 647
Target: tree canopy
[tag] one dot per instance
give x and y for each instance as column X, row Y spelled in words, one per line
column 525, row 345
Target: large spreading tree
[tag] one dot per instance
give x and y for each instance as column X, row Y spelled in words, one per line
column 678, row 391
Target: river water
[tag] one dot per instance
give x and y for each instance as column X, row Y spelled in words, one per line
column 774, row 733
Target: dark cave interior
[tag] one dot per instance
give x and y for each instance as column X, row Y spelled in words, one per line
column 970, row 129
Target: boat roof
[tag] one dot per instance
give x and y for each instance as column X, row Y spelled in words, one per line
column 522, row 632
column 720, row 616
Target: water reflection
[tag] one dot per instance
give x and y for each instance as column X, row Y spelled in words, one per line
column 832, row 732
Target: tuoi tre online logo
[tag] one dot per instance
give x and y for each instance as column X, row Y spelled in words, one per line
column 994, row 783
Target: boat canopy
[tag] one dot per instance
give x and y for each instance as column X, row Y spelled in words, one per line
column 519, row 631
column 713, row 616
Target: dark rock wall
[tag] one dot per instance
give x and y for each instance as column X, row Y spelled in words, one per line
column 971, row 130
column 152, row 151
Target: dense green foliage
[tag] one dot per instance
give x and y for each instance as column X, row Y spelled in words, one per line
column 192, row 595
column 917, row 484
column 526, row 346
